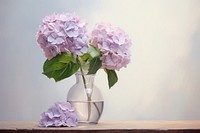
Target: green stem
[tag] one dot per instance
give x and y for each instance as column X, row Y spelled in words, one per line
column 88, row 96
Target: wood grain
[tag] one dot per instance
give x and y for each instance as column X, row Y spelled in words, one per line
column 106, row 127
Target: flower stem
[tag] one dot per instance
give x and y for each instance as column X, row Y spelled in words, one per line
column 82, row 74
column 88, row 96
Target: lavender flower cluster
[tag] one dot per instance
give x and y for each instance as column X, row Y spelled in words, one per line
column 60, row 114
column 114, row 44
column 62, row 33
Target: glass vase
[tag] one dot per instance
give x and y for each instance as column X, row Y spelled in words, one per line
column 86, row 98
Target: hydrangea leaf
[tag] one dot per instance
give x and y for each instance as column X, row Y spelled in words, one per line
column 57, row 62
column 84, row 61
column 85, row 57
column 60, row 67
column 93, row 51
column 112, row 77
column 95, row 64
column 65, row 57
column 65, row 72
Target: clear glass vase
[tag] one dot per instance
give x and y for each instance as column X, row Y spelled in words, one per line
column 86, row 98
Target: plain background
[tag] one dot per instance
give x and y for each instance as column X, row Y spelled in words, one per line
column 162, row 82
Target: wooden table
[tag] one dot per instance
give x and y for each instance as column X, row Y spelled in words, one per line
column 106, row 127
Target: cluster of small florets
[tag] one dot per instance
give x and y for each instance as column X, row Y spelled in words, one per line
column 114, row 45
column 62, row 33
column 60, row 114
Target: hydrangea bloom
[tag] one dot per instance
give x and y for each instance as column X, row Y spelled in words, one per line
column 114, row 45
column 60, row 114
column 62, row 33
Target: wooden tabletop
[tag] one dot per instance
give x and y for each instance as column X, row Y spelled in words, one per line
column 105, row 127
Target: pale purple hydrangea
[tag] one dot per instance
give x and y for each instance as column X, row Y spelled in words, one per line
column 113, row 61
column 114, row 45
column 62, row 33
column 60, row 114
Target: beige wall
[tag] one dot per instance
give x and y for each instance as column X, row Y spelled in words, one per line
column 161, row 82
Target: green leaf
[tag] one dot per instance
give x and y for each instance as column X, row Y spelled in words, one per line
column 95, row 64
column 93, row 52
column 60, row 67
column 86, row 57
column 73, row 59
column 65, row 57
column 57, row 62
column 112, row 77
column 66, row 72
column 52, row 66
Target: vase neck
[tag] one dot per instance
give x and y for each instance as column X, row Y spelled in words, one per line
column 89, row 79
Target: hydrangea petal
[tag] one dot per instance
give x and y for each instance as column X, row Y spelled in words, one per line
column 72, row 33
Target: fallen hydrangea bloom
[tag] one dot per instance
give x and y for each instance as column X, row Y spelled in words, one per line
column 60, row 114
